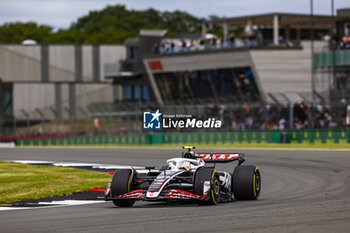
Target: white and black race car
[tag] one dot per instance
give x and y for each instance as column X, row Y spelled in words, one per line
column 188, row 178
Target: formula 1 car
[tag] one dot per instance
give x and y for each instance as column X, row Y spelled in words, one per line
column 188, row 178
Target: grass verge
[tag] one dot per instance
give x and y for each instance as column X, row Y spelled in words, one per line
column 25, row 182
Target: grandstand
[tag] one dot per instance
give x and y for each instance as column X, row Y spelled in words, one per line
column 277, row 63
column 276, row 53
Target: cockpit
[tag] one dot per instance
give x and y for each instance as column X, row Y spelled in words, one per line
column 178, row 164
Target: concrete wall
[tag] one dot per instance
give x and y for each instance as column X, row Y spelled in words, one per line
column 285, row 70
column 87, row 62
column 42, row 96
column 22, row 66
column 110, row 54
column 23, row 63
column 32, row 51
column 62, row 63
column 203, row 61
column 32, row 96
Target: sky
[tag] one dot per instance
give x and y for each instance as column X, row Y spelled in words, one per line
column 61, row 13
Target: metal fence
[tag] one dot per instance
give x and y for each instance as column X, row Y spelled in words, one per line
column 127, row 118
column 314, row 136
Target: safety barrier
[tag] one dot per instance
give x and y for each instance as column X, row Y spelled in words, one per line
column 88, row 140
column 338, row 135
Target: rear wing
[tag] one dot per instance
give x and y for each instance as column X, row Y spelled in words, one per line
column 220, row 157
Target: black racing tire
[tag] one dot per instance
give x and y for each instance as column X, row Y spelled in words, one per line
column 121, row 184
column 246, row 182
column 207, row 174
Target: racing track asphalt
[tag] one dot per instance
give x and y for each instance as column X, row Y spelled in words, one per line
column 302, row 191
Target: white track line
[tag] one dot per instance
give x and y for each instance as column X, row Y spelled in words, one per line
column 31, row 161
column 64, row 203
column 15, row 208
column 71, row 202
column 76, row 164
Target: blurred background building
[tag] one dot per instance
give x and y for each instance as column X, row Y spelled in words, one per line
column 285, row 70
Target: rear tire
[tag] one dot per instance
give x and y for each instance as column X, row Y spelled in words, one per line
column 207, row 174
column 246, row 182
column 121, row 184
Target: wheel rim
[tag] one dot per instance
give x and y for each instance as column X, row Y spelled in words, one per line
column 257, row 184
column 216, row 187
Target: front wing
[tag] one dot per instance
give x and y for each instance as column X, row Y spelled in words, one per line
column 166, row 195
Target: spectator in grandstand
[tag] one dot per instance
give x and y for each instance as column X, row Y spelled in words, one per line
column 344, row 43
column 299, row 124
column 233, row 119
column 155, row 48
column 226, row 42
column 232, row 40
column 220, row 42
column 328, row 119
column 252, row 39
column 189, row 44
column 282, row 127
column 282, row 124
column 268, row 112
column 258, row 118
column 227, row 121
column 281, row 39
column 327, row 37
column 180, row 43
column 221, row 113
column 241, row 115
column 245, row 40
column 96, row 125
column 166, row 47
column 213, row 42
column 249, row 121
column 248, row 116
column 183, row 44
column 300, row 112
column 270, row 125
column 332, row 121
column 260, row 38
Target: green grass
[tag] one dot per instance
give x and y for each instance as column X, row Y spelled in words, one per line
column 25, row 182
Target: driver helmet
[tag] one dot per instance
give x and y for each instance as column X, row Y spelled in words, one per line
column 185, row 165
column 189, row 155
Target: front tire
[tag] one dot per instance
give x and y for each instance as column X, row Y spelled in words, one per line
column 207, row 174
column 246, row 182
column 121, row 184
